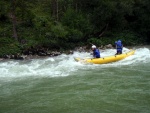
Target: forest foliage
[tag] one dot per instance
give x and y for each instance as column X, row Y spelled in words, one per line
column 64, row 24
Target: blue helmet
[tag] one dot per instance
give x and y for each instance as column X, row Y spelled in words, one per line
column 119, row 41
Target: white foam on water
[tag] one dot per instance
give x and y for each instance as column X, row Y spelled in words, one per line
column 64, row 65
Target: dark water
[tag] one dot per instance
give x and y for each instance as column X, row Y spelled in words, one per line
column 61, row 85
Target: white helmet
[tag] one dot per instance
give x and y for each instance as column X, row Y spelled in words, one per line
column 93, row 46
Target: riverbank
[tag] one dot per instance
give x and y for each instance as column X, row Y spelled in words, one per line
column 33, row 53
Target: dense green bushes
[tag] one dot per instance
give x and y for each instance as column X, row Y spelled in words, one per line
column 127, row 37
column 65, row 24
column 9, row 46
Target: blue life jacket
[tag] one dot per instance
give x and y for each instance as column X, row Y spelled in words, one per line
column 119, row 45
column 96, row 53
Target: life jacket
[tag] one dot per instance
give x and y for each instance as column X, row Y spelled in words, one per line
column 96, row 53
column 119, row 44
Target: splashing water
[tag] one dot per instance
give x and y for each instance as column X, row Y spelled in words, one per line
column 64, row 65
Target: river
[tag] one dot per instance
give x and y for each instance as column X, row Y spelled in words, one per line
column 61, row 85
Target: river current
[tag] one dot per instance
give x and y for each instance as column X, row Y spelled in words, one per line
column 62, row 85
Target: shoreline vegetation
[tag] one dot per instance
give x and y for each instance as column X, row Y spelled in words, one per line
column 39, row 53
column 53, row 27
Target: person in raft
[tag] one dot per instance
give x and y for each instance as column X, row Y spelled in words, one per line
column 96, row 52
column 119, row 47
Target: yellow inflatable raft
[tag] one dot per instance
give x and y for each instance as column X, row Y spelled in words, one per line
column 105, row 60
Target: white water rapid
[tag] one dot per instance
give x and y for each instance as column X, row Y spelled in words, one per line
column 65, row 65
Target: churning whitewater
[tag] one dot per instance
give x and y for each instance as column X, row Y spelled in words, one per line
column 64, row 65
